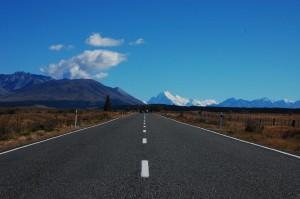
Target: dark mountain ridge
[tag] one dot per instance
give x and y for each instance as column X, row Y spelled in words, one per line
column 42, row 90
column 20, row 80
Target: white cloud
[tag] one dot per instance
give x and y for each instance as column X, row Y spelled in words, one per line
column 56, row 47
column 139, row 41
column 101, row 75
column 59, row 47
column 96, row 39
column 89, row 64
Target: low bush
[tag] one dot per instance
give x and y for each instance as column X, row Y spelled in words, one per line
column 253, row 126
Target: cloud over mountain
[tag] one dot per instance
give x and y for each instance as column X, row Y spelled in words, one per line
column 87, row 65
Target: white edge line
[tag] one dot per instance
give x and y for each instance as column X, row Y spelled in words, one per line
column 251, row 143
column 55, row 137
column 144, row 169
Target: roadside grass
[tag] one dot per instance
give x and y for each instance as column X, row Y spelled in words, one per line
column 19, row 126
column 283, row 134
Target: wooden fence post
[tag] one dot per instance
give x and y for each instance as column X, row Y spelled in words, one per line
column 221, row 120
column 294, row 123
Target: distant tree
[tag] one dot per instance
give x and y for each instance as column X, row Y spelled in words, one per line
column 107, row 104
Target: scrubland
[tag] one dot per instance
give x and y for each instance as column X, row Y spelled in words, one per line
column 19, row 126
column 279, row 131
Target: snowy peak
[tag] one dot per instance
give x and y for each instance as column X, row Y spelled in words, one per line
column 259, row 103
column 168, row 98
column 176, row 99
column 207, row 102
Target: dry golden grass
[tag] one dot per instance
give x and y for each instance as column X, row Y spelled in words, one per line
column 25, row 125
column 280, row 131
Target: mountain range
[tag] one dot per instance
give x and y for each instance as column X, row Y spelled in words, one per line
column 9, row 83
column 28, row 89
column 259, row 103
column 168, row 98
column 25, row 89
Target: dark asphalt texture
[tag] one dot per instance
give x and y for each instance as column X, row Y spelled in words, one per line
column 184, row 162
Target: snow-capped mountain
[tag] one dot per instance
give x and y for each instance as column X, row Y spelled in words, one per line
column 168, row 98
column 207, row 102
column 259, row 103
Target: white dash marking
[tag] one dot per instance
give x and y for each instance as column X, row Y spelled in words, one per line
column 144, row 126
column 144, row 131
column 145, row 169
column 144, row 141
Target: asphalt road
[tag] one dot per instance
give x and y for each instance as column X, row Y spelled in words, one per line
column 179, row 161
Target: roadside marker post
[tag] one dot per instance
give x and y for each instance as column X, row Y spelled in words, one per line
column 221, row 120
column 76, row 114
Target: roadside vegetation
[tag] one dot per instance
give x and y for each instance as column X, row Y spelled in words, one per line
column 279, row 131
column 20, row 126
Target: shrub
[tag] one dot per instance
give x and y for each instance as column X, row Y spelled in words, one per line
column 5, row 129
column 181, row 114
column 7, row 111
column 291, row 134
column 50, row 125
column 253, row 126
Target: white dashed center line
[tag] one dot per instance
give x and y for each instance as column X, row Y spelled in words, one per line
column 145, row 169
column 144, row 163
column 144, row 140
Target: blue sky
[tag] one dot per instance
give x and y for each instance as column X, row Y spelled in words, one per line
column 198, row 49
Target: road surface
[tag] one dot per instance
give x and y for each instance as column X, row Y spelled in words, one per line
column 154, row 157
